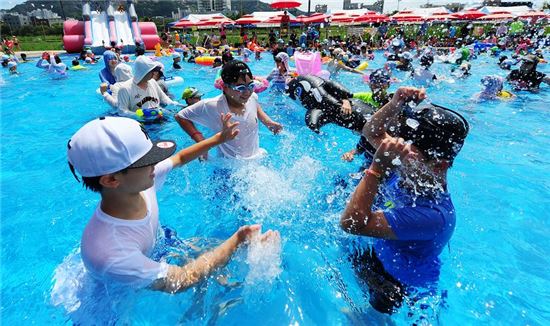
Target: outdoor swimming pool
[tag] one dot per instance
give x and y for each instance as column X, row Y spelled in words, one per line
column 495, row 270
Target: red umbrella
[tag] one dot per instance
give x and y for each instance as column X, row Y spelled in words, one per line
column 469, row 14
column 285, row 4
column 247, row 19
column 497, row 17
column 372, row 18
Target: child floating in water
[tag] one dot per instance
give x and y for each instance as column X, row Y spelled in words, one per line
column 493, row 89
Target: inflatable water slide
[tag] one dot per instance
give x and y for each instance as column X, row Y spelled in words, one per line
column 104, row 27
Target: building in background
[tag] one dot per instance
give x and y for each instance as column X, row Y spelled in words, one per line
column 207, row 6
column 16, row 21
column 321, row 8
column 507, row 3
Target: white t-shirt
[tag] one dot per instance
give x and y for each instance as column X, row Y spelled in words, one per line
column 130, row 95
column 207, row 113
column 118, row 250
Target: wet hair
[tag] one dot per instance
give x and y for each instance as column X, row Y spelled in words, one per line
column 23, row 56
column 92, row 183
column 75, row 62
column 233, row 70
column 57, row 59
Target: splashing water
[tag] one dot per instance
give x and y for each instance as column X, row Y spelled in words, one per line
column 264, row 260
column 412, row 123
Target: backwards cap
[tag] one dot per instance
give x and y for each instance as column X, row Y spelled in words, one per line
column 111, row 144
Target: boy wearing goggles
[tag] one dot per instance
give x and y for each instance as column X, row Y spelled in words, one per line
column 239, row 99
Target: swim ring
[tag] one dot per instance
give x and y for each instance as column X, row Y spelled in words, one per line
column 205, row 61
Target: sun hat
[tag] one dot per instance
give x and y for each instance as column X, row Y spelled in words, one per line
column 190, row 92
column 142, row 67
column 111, row 144
column 435, row 130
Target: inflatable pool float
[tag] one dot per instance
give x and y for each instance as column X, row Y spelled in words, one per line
column 364, row 65
column 205, row 61
column 173, row 80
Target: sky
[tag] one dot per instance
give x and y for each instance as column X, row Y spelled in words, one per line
column 390, row 5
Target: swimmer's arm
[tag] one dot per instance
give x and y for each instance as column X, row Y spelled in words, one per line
column 190, row 153
column 274, row 126
column 375, row 129
column 358, row 217
column 189, row 127
column 181, row 278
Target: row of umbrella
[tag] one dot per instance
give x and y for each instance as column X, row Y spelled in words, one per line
column 368, row 17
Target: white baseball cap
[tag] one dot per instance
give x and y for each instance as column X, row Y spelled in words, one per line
column 111, row 144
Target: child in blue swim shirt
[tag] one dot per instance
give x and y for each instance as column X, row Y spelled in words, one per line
column 413, row 219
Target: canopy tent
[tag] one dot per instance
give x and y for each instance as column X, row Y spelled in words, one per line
column 501, row 16
column 185, row 23
column 247, row 20
column 441, row 17
column 215, row 22
column 428, row 12
column 534, row 14
column 315, row 18
column 407, row 16
column 469, row 14
column 278, row 19
column 371, row 18
column 514, row 10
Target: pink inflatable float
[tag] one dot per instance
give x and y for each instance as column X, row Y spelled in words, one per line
column 309, row 63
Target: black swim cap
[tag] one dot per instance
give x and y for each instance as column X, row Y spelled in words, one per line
column 233, row 70
column 427, row 60
column 437, row 131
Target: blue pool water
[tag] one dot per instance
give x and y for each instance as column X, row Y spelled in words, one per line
column 495, row 270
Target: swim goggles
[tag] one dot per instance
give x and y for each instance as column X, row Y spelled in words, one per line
column 242, row 88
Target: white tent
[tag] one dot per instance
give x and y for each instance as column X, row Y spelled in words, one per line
column 427, row 12
column 197, row 17
column 516, row 10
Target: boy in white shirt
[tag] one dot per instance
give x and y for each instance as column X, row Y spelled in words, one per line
column 115, row 157
column 241, row 102
column 142, row 92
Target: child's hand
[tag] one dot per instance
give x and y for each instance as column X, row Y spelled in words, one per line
column 390, row 149
column 407, row 94
column 349, row 155
column 244, row 233
column 275, row 127
column 229, row 130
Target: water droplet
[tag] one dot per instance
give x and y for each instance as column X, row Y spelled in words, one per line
column 412, row 123
column 396, row 161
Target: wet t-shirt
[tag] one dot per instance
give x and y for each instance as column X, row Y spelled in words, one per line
column 423, row 227
column 119, row 250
